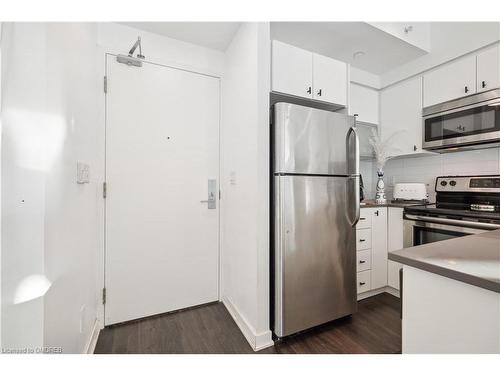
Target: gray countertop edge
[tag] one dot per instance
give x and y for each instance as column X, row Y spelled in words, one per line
column 446, row 272
column 369, row 203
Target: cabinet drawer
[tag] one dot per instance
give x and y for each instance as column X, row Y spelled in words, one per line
column 364, row 260
column 363, row 239
column 365, row 219
column 364, row 281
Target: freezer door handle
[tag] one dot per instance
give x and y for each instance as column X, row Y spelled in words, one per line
column 349, row 153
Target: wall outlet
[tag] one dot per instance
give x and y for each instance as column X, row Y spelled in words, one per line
column 82, row 173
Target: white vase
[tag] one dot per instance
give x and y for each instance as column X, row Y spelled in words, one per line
column 380, row 193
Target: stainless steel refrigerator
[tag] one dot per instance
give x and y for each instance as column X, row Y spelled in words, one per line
column 316, row 207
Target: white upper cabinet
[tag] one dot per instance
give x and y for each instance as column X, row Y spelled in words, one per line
column 365, row 103
column 450, row 81
column 302, row 73
column 329, row 80
column 488, row 69
column 401, row 116
column 291, row 70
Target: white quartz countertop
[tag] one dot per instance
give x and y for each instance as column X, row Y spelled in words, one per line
column 473, row 259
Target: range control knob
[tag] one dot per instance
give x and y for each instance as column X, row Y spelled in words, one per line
column 444, row 183
column 453, row 183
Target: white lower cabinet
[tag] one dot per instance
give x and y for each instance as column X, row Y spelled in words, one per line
column 380, row 232
column 394, row 242
column 371, row 246
column 364, row 260
column 364, row 281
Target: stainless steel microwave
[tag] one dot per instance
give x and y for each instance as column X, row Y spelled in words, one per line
column 469, row 122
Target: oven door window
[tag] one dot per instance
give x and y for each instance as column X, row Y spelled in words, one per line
column 472, row 121
column 422, row 235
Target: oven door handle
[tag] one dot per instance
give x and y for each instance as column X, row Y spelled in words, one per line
column 460, row 223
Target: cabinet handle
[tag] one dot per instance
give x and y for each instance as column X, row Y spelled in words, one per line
column 362, row 261
column 466, row 89
column 483, row 84
column 376, row 213
column 414, row 147
column 362, row 283
column 362, row 240
column 309, row 90
column 319, row 92
column 362, row 218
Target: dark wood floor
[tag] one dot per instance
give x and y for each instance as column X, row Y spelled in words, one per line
column 375, row 328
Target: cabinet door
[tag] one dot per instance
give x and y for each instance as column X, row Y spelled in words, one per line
column 365, row 103
column 450, row 81
column 329, row 80
column 488, row 69
column 394, row 242
column 401, row 116
column 379, row 248
column 291, row 70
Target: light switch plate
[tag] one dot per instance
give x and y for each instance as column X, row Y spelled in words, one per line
column 232, row 178
column 82, row 173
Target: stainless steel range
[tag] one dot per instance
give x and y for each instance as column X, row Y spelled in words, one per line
column 464, row 205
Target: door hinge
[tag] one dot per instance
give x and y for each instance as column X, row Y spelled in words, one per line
column 104, row 190
column 105, row 84
column 103, row 296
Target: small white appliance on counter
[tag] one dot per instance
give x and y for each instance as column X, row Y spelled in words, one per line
column 410, row 192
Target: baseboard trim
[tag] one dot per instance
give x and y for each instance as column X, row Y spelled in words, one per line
column 391, row 290
column 91, row 344
column 384, row 289
column 257, row 341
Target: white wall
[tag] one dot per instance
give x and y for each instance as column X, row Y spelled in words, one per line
column 245, row 181
column 23, row 177
column 50, row 224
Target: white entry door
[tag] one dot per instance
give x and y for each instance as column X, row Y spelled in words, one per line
column 162, row 148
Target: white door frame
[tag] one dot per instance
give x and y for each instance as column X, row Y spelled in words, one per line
column 102, row 253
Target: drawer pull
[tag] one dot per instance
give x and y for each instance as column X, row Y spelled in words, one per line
column 362, row 261
column 362, row 240
column 362, row 218
column 362, row 283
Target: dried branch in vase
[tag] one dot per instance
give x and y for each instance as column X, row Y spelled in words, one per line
column 383, row 149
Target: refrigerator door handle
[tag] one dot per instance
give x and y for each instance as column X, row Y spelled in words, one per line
column 353, row 174
column 356, row 199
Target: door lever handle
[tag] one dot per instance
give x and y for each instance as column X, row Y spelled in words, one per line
column 211, row 201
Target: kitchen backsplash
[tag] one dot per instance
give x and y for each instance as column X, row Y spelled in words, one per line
column 426, row 168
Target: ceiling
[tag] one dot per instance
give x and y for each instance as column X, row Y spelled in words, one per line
column 215, row 35
column 341, row 40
